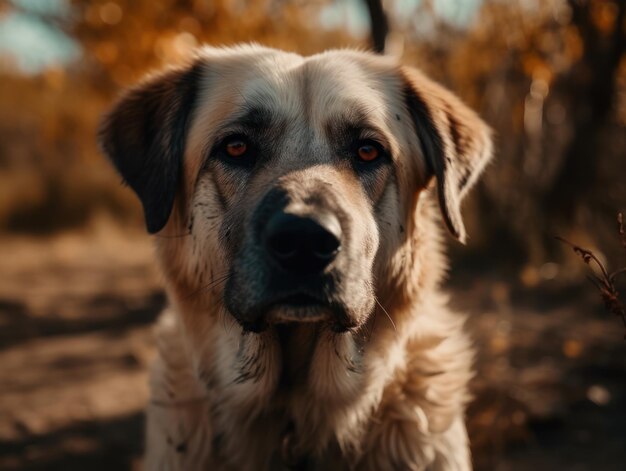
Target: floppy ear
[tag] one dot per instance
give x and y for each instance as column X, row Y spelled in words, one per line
column 455, row 142
column 144, row 136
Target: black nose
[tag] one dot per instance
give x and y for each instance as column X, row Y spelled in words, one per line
column 304, row 245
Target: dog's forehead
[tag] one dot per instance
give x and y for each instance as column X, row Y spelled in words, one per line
column 316, row 87
column 345, row 82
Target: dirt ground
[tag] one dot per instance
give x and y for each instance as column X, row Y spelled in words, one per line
column 75, row 344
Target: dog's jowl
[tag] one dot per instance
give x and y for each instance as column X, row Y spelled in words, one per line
column 298, row 203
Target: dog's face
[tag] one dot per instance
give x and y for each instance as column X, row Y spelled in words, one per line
column 286, row 185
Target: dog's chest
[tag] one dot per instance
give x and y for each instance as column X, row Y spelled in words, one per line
column 293, row 422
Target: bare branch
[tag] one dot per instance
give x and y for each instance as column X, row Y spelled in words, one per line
column 379, row 24
column 605, row 283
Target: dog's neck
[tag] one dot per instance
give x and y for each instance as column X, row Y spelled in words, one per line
column 297, row 344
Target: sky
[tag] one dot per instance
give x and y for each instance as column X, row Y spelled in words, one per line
column 34, row 45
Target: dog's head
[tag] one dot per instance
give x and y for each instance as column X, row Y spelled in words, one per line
column 282, row 185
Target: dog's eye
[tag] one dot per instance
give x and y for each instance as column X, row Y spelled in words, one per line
column 236, row 151
column 368, row 151
column 236, row 147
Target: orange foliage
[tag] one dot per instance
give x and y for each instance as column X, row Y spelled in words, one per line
column 533, row 70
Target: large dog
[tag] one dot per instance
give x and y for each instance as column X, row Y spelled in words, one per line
column 302, row 254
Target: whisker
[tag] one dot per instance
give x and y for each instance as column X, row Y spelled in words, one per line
column 212, row 284
column 386, row 313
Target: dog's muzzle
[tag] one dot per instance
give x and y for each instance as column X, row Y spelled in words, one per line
column 291, row 259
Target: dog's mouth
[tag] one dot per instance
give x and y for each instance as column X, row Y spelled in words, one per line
column 297, row 308
column 300, row 307
column 289, row 301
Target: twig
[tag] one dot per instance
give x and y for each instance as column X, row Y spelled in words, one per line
column 605, row 283
column 620, row 229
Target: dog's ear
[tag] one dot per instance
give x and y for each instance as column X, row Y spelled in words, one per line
column 455, row 142
column 144, row 136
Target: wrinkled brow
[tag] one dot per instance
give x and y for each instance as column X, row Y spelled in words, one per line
column 354, row 124
column 255, row 117
column 259, row 121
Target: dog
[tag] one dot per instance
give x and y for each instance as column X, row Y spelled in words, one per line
column 295, row 204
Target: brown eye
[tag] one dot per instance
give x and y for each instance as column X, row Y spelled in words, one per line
column 368, row 153
column 236, row 147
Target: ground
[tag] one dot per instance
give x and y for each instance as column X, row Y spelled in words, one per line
column 75, row 344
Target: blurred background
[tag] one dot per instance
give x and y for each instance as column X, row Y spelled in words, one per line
column 79, row 289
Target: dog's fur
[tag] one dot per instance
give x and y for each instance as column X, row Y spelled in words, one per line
column 380, row 380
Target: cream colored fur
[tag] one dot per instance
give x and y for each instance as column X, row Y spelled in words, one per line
column 405, row 412
column 388, row 395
